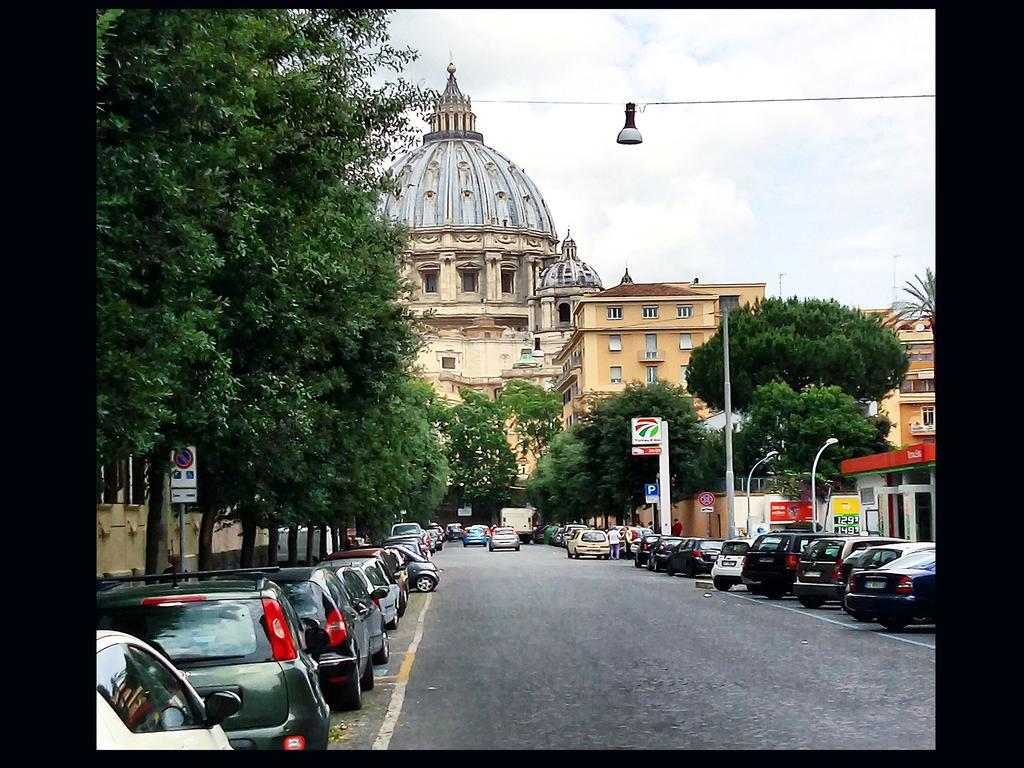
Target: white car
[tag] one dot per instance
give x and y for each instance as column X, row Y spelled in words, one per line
column 728, row 568
column 504, row 538
column 375, row 577
column 144, row 702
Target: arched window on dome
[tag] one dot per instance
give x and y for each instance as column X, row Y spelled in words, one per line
column 563, row 313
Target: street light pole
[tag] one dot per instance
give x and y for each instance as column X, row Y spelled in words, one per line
column 730, row 490
column 814, row 469
column 770, row 455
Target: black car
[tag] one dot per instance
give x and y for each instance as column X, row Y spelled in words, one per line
column 643, row 549
column 771, row 562
column 819, row 577
column 318, row 596
column 422, row 547
column 694, row 556
column 898, row 593
column 657, row 559
column 538, row 534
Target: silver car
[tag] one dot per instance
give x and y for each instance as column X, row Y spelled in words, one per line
column 504, row 538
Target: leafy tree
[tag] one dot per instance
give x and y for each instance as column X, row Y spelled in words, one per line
column 481, row 463
column 797, row 424
column 803, row 344
column 535, row 415
column 560, row 483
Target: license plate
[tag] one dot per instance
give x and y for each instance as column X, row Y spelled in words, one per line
column 767, row 559
column 728, row 563
column 873, row 584
column 712, row 557
column 812, row 574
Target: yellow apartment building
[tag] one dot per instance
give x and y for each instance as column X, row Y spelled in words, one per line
column 911, row 408
column 641, row 332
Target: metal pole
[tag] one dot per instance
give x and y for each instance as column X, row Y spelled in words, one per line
column 769, row 455
column 664, row 484
column 814, row 470
column 181, row 538
column 730, row 490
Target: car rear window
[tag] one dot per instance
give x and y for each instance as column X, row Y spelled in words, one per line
column 924, row 561
column 375, row 576
column 824, row 549
column 770, row 544
column 354, row 584
column 206, row 631
column 593, row 536
column 504, row 530
column 735, row 548
column 398, row 530
column 306, row 600
column 711, row 544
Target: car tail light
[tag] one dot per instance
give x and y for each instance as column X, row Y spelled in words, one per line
column 698, row 553
column 294, row 742
column 905, row 586
column 336, row 627
column 837, row 571
column 792, row 561
column 849, row 582
column 279, row 636
column 173, row 599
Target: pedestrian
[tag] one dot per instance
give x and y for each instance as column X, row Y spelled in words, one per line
column 613, row 543
column 677, row 527
column 175, row 563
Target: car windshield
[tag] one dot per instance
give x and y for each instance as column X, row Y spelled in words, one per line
column 195, row 631
column 406, row 528
column 593, row 536
column 735, row 548
column 824, row 549
column 924, row 561
column 769, row 544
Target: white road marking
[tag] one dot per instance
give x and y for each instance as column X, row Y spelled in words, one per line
column 387, row 728
column 842, row 624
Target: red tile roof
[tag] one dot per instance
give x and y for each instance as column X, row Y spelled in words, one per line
column 646, row 289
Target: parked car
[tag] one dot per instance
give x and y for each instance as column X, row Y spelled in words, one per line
column 504, row 538
column 476, row 534
column 538, row 534
column 377, row 579
column 586, row 542
column 770, row 565
column 643, row 551
column 407, row 529
column 394, row 566
column 694, row 556
column 875, row 558
column 570, row 530
column 727, row 570
column 238, row 634
column 144, row 702
column 418, row 542
column 819, row 574
column 345, row 669
column 454, row 531
column 363, row 593
column 558, row 537
column 435, row 540
column 897, row 594
column 631, row 540
column 657, row 560
column 424, row 576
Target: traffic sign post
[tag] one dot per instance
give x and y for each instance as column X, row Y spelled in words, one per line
column 651, row 493
column 184, row 490
column 650, row 438
column 664, row 483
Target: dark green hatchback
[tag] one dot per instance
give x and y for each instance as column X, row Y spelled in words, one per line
column 240, row 635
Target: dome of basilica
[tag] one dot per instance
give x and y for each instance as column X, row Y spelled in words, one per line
column 569, row 271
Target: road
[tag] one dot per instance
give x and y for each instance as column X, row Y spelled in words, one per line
column 531, row 650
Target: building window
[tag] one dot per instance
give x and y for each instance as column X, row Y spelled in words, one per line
column 430, row 282
column 469, row 282
column 685, row 341
column 928, row 416
column 682, row 374
column 508, row 281
column 566, row 397
column 650, row 312
column 652, row 374
column 616, row 374
column 615, row 343
column 922, row 355
column 563, row 313
column 651, row 346
column 684, row 310
column 728, row 303
column 575, row 389
column 448, row 362
column 614, row 313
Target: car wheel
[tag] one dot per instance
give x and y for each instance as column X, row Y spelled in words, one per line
column 755, row 591
column 367, row 682
column 382, row 656
column 858, row 616
column 893, row 625
column 426, row 583
column 577, row 555
column 350, row 695
column 517, row 549
column 403, row 604
column 811, row 602
column 690, row 570
column 568, row 555
column 774, row 594
column 393, row 624
column 670, row 570
column 636, row 563
column 722, row 585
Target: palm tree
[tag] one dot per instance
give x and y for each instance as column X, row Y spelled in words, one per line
column 921, row 302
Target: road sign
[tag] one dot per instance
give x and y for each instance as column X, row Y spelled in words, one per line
column 466, row 511
column 184, row 469
column 646, row 430
column 184, row 496
column 651, row 493
column 646, row 450
column 706, row 499
column 707, row 510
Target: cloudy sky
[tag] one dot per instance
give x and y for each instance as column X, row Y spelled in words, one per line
column 824, row 192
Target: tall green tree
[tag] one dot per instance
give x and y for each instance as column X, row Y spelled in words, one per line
column 534, row 413
column 560, row 485
column 801, row 343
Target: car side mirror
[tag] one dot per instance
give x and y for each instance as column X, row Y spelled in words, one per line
column 221, row 705
column 379, row 593
column 316, row 640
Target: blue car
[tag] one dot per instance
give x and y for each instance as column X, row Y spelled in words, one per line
column 898, row 593
column 476, row 534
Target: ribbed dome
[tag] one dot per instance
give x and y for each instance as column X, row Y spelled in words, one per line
column 569, row 270
column 456, row 180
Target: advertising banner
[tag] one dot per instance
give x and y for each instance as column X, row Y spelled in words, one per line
column 790, row 511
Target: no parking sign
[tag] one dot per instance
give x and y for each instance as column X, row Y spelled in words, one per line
column 184, row 484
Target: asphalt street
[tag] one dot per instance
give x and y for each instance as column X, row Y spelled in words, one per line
column 530, row 649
